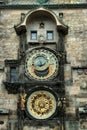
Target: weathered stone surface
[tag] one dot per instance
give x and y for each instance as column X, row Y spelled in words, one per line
column 51, row 1
column 76, row 48
column 72, row 125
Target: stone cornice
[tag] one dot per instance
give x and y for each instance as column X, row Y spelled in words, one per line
column 49, row 6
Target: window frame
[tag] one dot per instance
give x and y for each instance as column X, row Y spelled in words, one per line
column 33, row 32
column 13, row 76
column 52, row 33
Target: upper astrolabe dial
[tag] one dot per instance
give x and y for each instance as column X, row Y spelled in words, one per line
column 41, row 64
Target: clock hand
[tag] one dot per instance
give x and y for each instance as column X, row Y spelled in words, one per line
column 41, row 64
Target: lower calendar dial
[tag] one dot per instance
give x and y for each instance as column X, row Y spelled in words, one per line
column 41, row 104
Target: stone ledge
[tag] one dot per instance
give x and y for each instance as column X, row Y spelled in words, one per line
column 50, row 6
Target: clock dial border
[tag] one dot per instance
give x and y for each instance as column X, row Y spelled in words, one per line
column 36, row 108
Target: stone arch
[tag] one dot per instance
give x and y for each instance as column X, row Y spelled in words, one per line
column 21, row 28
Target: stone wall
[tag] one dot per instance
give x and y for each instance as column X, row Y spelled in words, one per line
column 76, row 48
column 49, row 1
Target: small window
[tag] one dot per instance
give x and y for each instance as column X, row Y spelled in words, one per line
column 13, row 74
column 49, row 35
column 33, row 35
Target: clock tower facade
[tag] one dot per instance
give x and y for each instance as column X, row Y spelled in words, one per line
column 40, row 66
column 43, row 65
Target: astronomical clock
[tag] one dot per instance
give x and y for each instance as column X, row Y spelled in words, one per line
column 38, row 74
column 41, row 64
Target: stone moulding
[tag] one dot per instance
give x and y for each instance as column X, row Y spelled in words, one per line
column 50, row 6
